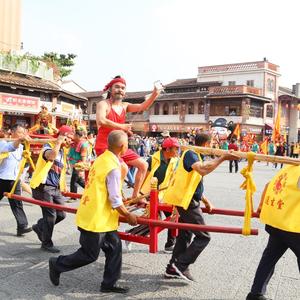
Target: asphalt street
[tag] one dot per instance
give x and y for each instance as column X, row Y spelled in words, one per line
column 224, row 270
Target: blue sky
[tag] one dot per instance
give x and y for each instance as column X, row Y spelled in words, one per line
column 149, row 40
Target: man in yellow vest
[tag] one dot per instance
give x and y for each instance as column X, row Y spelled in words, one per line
column 161, row 165
column 97, row 218
column 280, row 211
column 186, row 192
column 48, row 180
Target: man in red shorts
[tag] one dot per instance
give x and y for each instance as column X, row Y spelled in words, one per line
column 111, row 115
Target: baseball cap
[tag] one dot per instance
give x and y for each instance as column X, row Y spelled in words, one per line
column 64, row 129
column 170, row 142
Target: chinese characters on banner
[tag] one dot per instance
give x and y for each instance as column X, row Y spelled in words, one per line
column 19, row 102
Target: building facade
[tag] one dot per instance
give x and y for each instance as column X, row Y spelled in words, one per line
column 10, row 25
column 244, row 93
column 23, row 90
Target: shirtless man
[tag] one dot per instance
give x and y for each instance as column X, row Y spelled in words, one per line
column 111, row 115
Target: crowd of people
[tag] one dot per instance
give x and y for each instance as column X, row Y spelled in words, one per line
column 116, row 154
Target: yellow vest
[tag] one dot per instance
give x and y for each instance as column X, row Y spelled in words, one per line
column 155, row 164
column 95, row 212
column 281, row 205
column 181, row 190
column 43, row 167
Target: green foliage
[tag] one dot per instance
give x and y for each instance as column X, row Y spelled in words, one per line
column 62, row 61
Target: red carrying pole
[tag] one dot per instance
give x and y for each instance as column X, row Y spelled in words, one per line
column 72, row 195
column 42, row 203
column 189, row 226
column 153, row 245
column 215, row 211
column 159, row 223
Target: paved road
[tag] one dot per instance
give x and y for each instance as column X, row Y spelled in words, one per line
column 223, row 271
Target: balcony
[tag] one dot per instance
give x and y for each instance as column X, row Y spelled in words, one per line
column 234, row 119
column 233, row 90
column 137, row 117
column 26, row 66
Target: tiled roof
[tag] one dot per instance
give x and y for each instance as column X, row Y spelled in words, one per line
column 129, row 95
column 246, row 66
column 136, row 95
column 27, row 81
column 285, row 91
column 94, row 94
column 190, row 82
column 182, row 96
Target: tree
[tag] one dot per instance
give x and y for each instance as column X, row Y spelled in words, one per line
column 62, row 62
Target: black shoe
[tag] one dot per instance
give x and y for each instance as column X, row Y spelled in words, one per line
column 114, row 289
column 171, row 272
column 50, row 249
column 169, row 246
column 252, row 296
column 38, row 232
column 53, row 274
column 184, row 274
column 22, row 231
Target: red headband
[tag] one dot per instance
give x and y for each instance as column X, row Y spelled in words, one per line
column 112, row 82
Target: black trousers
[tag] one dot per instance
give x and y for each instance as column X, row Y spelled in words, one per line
column 76, row 179
column 187, row 251
column 50, row 216
column 236, row 165
column 91, row 243
column 279, row 242
column 15, row 205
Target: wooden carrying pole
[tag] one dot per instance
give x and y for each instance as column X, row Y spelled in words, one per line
column 260, row 157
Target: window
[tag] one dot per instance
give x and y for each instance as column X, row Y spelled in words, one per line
column 269, row 111
column 256, row 110
column 191, row 108
column 156, row 109
column 250, row 82
column 166, row 109
column 218, row 109
column 270, row 85
column 94, row 108
column 201, row 107
column 231, row 82
column 175, row 108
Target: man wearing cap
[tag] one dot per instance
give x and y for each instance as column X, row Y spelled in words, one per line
column 162, row 165
column 48, row 180
column 186, row 192
column 111, row 115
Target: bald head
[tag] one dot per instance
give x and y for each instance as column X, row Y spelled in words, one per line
column 117, row 140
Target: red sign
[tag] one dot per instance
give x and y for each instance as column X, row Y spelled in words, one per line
column 17, row 101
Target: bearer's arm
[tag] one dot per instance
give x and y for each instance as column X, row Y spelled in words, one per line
column 262, row 198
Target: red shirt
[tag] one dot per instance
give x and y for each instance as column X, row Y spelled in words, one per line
column 103, row 132
column 233, row 146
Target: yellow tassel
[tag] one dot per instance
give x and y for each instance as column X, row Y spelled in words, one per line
column 250, row 187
